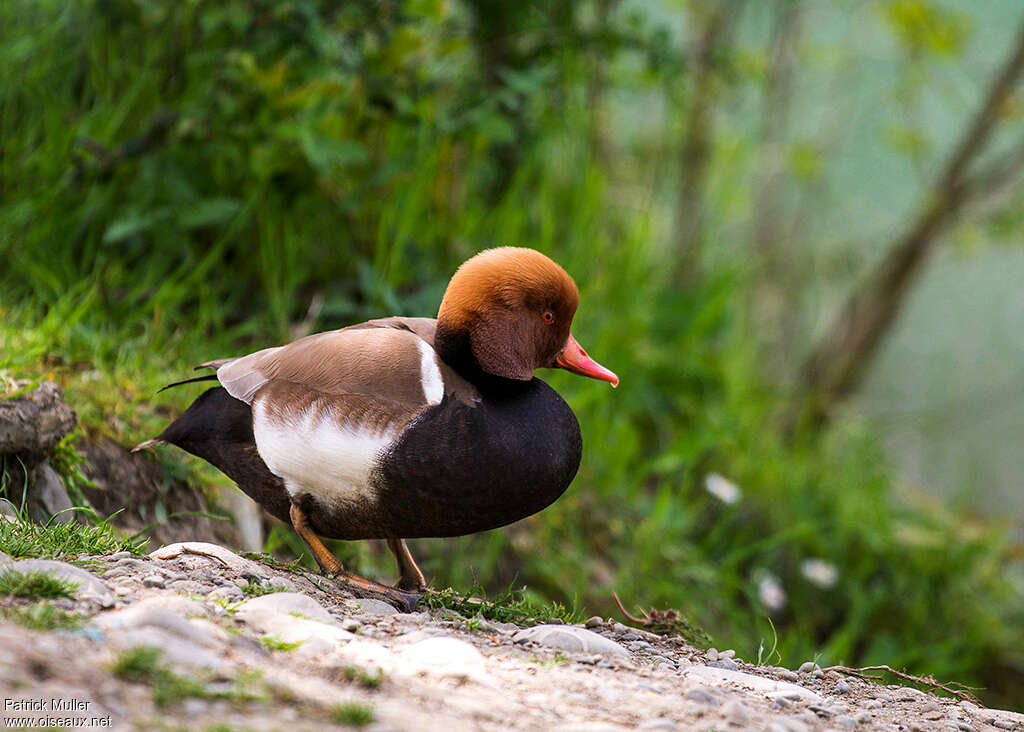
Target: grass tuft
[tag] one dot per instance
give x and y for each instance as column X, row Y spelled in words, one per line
column 257, row 589
column 363, row 677
column 41, row 616
column 352, row 714
column 34, row 585
column 142, row 665
column 511, row 606
column 54, row 540
column 274, row 643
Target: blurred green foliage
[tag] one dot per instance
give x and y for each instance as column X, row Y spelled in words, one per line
column 182, row 181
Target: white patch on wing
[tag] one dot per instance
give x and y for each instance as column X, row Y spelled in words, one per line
column 314, row 454
column 430, row 374
column 239, row 377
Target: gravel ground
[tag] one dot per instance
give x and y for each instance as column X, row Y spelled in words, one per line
column 300, row 657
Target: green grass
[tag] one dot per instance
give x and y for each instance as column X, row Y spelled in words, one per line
column 41, row 616
column 54, row 540
column 510, row 606
column 258, row 589
column 363, row 677
column 142, row 665
column 352, row 714
column 34, row 585
column 274, row 643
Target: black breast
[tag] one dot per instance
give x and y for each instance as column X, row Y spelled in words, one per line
column 459, row 469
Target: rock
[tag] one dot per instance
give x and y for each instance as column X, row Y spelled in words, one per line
column 153, row 613
column 864, row 718
column 570, row 638
column 226, row 593
column 841, row 687
column 373, row 607
column 736, row 712
column 771, row 687
column 153, row 580
column 593, row 622
column 872, row 704
column 725, row 662
column 90, row 587
column 4, row 559
column 47, row 497
column 176, row 650
column 701, row 695
column 32, row 425
column 787, row 674
column 246, row 568
column 808, row 667
column 283, row 603
column 711, row 654
column 728, row 653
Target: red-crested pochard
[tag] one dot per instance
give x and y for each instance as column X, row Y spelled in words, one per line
column 406, row 427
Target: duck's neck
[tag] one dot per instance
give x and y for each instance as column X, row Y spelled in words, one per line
column 453, row 346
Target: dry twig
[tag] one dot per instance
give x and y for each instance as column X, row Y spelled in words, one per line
column 950, row 687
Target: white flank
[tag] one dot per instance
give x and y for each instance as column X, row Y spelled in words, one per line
column 430, row 374
column 317, row 456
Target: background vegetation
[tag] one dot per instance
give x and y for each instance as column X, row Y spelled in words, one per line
column 181, row 181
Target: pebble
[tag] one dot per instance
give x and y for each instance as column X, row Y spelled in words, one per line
column 808, row 667
column 841, row 687
column 864, row 718
column 727, row 663
column 736, row 711
column 120, row 555
column 593, row 622
column 153, row 580
column 283, row 603
column 1003, row 723
column 701, row 695
column 729, row 653
column 711, row 654
column 372, row 607
column 787, row 674
column 569, row 638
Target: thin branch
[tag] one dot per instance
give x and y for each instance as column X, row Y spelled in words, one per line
column 950, row 687
column 836, row 366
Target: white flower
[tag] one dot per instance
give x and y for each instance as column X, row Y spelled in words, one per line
column 819, row 572
column 770, row 592
column 722, row 488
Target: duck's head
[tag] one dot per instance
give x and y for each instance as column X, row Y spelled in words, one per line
column 507, row 312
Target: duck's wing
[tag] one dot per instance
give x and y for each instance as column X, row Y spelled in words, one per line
column 392, row 360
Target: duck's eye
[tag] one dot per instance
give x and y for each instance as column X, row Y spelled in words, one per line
column 549, row 317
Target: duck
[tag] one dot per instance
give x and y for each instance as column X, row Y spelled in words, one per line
column 405, row 427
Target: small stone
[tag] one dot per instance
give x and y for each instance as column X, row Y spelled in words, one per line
column 701, row 695
column 736, row 712
column 569, row 638
column 872, row 704
column 727, row 663
column 841, row 687
column 787, row 674
column 283, row 603
column 119, row 555
column 556, row 621
column 352, row 626
column 845, row 722
column 593, row 622
column 711, row 654
column 374, row 607
column 808, row 667
column 933, row 716
column 970, row 707
column 865, row 718
column 629, row 635
column 1003, row 723
column 153, row 580
column 964, row 727
column 728, row 653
